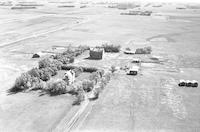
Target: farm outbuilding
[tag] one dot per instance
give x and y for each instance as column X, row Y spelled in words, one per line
column 96, row 53
column 133, row 70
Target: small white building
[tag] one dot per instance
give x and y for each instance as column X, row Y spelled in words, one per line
column 133, row 70
column 136, row 60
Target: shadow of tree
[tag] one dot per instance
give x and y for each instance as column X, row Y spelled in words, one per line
column 90, row 58
column 14, row 90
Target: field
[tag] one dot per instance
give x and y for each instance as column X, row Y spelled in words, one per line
column 150, row 101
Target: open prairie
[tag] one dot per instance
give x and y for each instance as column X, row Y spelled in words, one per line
column 151, row 101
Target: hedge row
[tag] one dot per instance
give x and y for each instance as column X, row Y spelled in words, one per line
column 68, row 56
column 84, row 69
column 111, row 48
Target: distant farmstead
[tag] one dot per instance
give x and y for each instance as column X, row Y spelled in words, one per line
column 138, row 12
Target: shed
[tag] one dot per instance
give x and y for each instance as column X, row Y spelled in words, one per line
column 133, row 70
column 96, row 53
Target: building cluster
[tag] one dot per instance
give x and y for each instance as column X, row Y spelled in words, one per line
column 138, row 12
